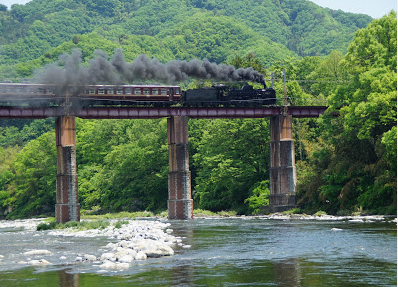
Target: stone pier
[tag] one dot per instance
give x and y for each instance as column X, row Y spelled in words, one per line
column 283, row 178
column 67, row 207
column 180, row 203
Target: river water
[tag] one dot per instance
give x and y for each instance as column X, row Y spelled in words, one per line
column 224, row 252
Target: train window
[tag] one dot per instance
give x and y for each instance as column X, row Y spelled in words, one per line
column 119, row 91
column 39, row 90
column 155, row 92
column 128, row 91
column 91, row 91
column 10, row 90
column 101, row 91
column 111, row 91
column 177, row 91
column 50, row 91
column 163, row 91
column 19, row 90
column 146, row 91
column 137, row 91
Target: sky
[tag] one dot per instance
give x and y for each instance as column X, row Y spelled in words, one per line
column 373, row 8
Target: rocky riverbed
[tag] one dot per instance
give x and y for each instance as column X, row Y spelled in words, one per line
column 134, row 240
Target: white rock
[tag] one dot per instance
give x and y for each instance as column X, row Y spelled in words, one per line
column 37, row 252
column 141, row 256
column 108, row 256
column 39, row 262
column 62, row 258
column 126, row 259
column 88, row 257
column 111, row 265
column 165, row 249
column 22, row 262
column 123, row 244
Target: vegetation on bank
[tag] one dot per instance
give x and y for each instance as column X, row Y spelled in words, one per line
column 345, row 164
column 82, row 225
column 102, row 221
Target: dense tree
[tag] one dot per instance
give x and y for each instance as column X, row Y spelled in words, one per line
column 231, row 157
column 28, row 186
column 358, row 168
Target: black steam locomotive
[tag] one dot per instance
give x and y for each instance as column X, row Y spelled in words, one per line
column 223, row 95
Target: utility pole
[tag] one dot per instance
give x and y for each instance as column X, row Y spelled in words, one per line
column 284, row 88
column 284, row 93
column 272, row 81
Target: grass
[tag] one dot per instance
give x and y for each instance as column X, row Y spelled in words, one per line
column 101, row 221
column 82, row 225
column 201, row 212
column 293, row 211
column 320, row 213
column 162, row 214
column 123, row 214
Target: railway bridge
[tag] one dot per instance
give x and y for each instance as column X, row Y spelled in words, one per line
column 180, row 203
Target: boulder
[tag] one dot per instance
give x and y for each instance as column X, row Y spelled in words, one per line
column 126, row 259
column 140, row 256
column 37, row 252
column 114, row 265
column 88, row 257
column 39, row 262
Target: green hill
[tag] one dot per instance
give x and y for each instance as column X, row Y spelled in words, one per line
column 218, row 30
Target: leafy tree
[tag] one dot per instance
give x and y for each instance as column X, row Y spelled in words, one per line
column 359, row 174
column 230, row 159
column 32, row 189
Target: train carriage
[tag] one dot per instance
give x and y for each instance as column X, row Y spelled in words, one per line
column 26, row 93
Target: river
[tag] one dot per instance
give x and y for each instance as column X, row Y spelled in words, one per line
column 224, row 252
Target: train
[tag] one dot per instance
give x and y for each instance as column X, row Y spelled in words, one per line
column 141, row 95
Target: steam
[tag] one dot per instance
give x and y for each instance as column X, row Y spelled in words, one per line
column 70, row 71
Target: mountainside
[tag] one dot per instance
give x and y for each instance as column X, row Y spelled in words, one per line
column 218, row 30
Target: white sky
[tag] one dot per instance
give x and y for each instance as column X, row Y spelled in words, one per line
column 374, row 8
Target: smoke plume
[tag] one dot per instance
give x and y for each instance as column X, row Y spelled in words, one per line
column 70, row 71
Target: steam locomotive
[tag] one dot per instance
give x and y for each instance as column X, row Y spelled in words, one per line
column 223, row 95
column 143, row 95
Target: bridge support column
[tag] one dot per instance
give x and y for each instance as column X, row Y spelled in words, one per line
column 67, row 207
column 283, row 178
column 180, row 203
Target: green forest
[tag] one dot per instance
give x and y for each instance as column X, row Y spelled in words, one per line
column 345, row 164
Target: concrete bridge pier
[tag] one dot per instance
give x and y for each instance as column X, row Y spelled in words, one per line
column 283, row 177
column 67, row 207
column 180, row 203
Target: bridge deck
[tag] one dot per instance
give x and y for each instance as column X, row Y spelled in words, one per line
column 153, row 113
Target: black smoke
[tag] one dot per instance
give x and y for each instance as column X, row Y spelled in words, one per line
column 69, row 70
